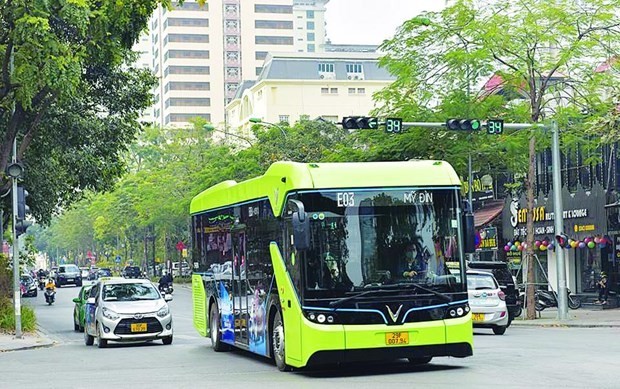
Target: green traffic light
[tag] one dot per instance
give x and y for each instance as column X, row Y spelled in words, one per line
column 475, row 124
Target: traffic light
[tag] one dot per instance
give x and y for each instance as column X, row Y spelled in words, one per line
column 21, row 226
column 360, row 123
column 22, row 207
column 463, row 124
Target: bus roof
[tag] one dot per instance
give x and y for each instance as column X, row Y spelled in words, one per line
column 283, row 177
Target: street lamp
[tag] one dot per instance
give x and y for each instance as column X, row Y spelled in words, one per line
column 211, row 127
column 261, row 121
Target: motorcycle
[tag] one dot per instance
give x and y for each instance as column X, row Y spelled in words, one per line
column 42, row 281
column 50, row 295
column 549, row 298
column 166, row 288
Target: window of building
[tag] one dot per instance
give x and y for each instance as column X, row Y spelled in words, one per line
column 310, row 36
column 185, row 117
column 188, row 22
column 351, row 91
column 283, row 118
column 191, row 38
column 310, row 25
column 273, row 9
column 202, row 54
column 233, row 72
column 273, row 40
column 274, row 24
column 310, row 14
column 324, row 90
column 232, row 39
column 232, row 56
column 187, row 70
column 326, row 67
column 260, row 55
column 259, row 94
column 231, row 10
column 232, row 24
column 188, row 102
column 190, row 6
column 311, row 48
column 361, row 91
column 259, row 70
column 333, row 91
column 187, row 85
column 354, row 68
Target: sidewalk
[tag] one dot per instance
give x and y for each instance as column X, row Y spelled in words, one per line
column 580, row 318
column 29, row 341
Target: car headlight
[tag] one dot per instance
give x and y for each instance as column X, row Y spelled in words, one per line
column 163, row 311
column 109, row 314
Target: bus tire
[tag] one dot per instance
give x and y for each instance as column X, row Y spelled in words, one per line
column 214, row 329
column 277, row 343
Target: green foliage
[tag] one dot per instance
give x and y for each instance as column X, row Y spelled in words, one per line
column 7, row 316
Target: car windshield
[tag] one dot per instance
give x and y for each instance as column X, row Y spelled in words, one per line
column 129, row 292
column 369, row 238
column 68, row 269
column 480, row 282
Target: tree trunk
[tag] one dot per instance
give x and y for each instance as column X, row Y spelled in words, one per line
column 529, row 251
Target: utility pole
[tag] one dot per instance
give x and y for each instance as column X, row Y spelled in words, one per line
column 16, row 289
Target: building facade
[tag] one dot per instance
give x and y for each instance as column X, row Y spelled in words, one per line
column 308, row 86
column 200, row 54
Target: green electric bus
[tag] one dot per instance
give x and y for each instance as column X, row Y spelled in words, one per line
column 316, row 263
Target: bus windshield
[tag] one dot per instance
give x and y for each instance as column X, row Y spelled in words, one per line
column 369, row 238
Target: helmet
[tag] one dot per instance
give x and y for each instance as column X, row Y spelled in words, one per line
column 603, row 274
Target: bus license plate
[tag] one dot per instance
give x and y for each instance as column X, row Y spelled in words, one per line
column 138, row 327
column 396, row 338
column 477, row 316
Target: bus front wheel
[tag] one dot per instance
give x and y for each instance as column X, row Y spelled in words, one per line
column 214, row 327
column 277, row 343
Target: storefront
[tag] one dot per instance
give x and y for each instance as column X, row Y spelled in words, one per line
column 591, row 248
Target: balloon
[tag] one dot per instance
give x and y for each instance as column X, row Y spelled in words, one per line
column 551, row 247
column 542, row 247
column 545, row 242
column 517, row 243
column 591, row 244
column 506, row 248
column 602, row 245
column 587, row 240
column 597, row 240
column 521, row 248
column 513, row 248
column 573, row 244
column 582, row 245
column 537, row 243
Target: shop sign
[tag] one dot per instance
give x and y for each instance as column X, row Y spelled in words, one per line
column 617, row 247
column 488, row 239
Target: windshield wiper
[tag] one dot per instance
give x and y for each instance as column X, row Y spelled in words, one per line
column 345, row 299
column 425, row 289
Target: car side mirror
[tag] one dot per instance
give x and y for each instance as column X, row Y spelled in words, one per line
column 469, row 229
column 77, row 300
column 167, row 297
column 301, row 227
column 91, row 300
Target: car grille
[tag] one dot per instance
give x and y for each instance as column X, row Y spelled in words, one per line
column 124, row 326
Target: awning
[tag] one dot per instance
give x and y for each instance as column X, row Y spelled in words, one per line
column 488, row 213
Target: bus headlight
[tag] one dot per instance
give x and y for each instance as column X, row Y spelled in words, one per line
column 457, row 311
column 321, row 318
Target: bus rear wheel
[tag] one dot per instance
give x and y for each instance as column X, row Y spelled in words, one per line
column 277, row 343
column 214, row 328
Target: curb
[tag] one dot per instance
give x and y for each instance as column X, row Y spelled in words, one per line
column 566, row 325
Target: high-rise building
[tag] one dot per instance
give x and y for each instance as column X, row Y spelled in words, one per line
column 200, row 54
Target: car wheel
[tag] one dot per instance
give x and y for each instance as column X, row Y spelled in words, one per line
column 167, row 340
column 76, row 326
column 420, row 361
column 499, row 330
column 214, row 327
column 35, row 293
column 101, row 343
column 80, row 284
column 88, row 339
column 277, row 343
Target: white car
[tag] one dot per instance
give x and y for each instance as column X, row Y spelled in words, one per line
column 487, row 302
column 126, row 310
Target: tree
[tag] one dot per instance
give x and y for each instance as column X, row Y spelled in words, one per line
column 68, row 95
column 542, row 56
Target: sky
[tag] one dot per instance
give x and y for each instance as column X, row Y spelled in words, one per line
column 371, row 21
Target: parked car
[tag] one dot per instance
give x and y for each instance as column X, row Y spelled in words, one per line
column 132, row 272
column 506, row 282
column 487, row 302
column 126, row 310
column 78, row 309
column 92, row 274
column 68, row 274
column 104, row 272
column 28, row 286
column 185, row 270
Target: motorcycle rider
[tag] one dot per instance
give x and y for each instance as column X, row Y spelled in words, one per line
column 50, row 289
column 165, row 280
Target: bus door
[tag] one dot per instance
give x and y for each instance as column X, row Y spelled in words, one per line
column 240, row 288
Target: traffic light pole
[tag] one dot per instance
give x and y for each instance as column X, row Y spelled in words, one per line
column 558, row 209
column 16, row 270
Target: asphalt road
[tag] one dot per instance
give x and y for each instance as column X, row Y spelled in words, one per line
column 523, row 358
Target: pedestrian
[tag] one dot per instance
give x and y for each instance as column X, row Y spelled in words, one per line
column 603, row 289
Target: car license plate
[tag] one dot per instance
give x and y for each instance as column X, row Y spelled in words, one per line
column 477, row 316
column 396, row 338
column 138, row 327
column 69, row 279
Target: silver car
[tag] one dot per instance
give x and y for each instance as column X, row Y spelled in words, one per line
column 126, row 310
column 487, row 302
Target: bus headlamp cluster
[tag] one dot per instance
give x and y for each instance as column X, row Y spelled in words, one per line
column 321, row 318
column 457, row 311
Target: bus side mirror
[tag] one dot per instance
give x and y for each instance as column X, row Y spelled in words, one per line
column 301, row 227
column 469, row 229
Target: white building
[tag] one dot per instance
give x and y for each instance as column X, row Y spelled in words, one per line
column 309, row 85
column 201, row 54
